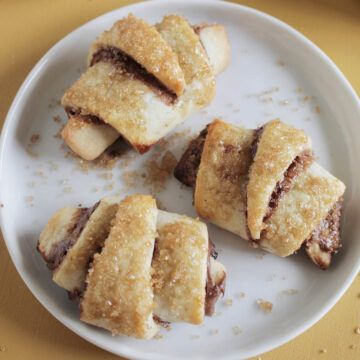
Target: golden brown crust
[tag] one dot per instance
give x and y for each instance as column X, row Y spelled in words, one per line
column 179, row 265
column 129, row 106
column 119, row 295
column 313, row 195
column 118, row 100
column 220, row 190
column 220, row 194
column 140, row 40
column 192, row 57
column 277, row 148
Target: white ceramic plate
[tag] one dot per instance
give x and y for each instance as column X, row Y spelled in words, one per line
column 266, row 54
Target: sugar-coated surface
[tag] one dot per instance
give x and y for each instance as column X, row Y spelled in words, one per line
column 179, row 262
column 220, row 195
column 250, row 92
column 277, row 148
column 119, row 293
column 129, row 105
column 140, row 40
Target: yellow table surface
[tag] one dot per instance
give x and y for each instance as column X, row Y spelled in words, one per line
column 28, row 29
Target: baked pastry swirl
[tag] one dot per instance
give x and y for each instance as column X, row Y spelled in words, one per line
column 265, row 186
column 142, row 81
column 133, row 267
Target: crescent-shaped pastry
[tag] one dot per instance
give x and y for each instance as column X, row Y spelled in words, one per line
column 267, row 180
column 142, row 82
column 133, row 267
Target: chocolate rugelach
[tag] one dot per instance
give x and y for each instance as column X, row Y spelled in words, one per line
column 326, row 234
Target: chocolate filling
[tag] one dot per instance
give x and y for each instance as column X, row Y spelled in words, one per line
column 198, row 28
column 327, row 234
column 213, row 291
column 254, row 145
column 87, row 118
column 160, row 322
column 133, row 69
column 300, row 163
column 187, row 168
column 60, row 249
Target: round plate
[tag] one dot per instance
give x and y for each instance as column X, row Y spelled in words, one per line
column 274, row 72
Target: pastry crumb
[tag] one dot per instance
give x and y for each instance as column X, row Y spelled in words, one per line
column 108, row 176
column 2, row 348
column 352, row 347
column 260, row 257
column 57, row 135
column 54, row 167
column 32, row 154
column 357, row 330
column 237, row 331
column 130, row 178
column 299, row 90
column 286, row 102
column 54, row 103
column 64, row 181
column 195, row 337
column 68, row 190
column 281, row 63
column 242, row 294
column 110, row 186
column 323, row 351
column 157, row 172
column 57, row 119
column 35, row 138
column 228, row 302
column 2, row 205
column 30, row 198
column 317, row 109
column 158, row 336
column 41, row 174
column 214, row 332
column 265, row 305
column 217, row 313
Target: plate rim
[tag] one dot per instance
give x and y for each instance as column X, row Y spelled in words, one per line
column 132, row 352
